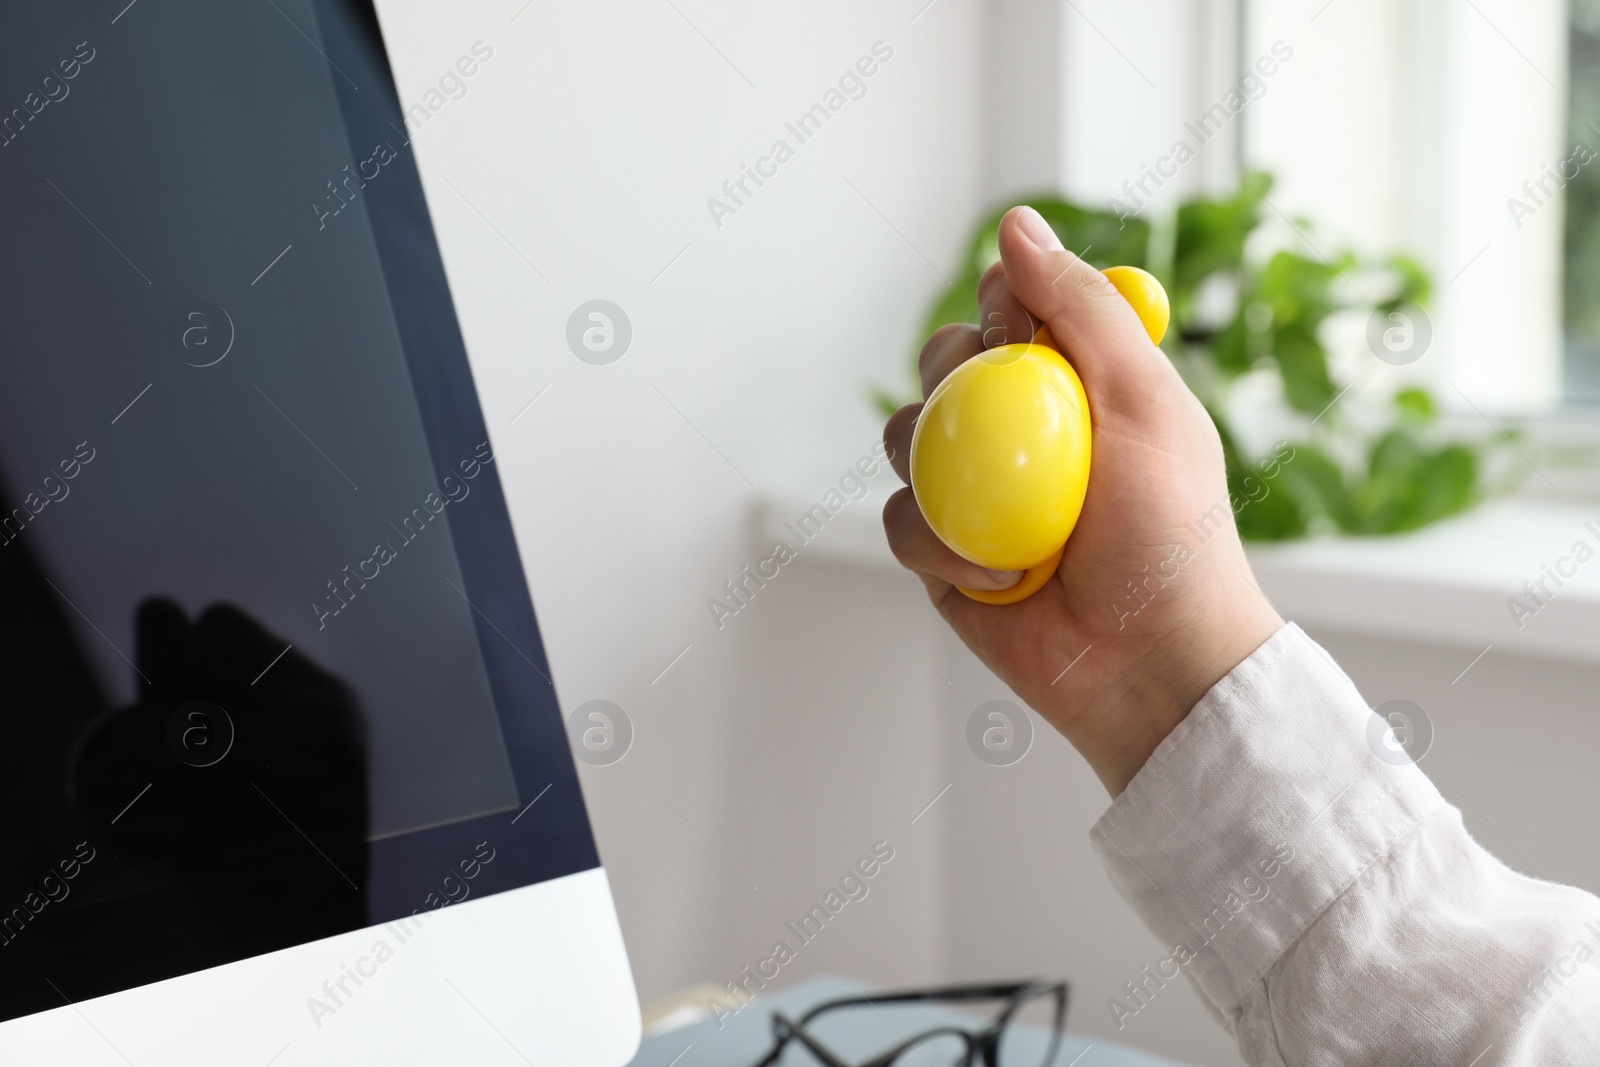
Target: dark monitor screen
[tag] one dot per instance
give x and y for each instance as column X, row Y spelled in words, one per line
column 271, row 670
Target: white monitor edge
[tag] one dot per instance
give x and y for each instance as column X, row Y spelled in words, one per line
column 536, row 974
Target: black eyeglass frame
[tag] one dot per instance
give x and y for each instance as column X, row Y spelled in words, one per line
column 983, row 1046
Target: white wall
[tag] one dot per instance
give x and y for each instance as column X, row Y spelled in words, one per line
column 589, row 146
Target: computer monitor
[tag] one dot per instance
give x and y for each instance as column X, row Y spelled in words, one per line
column 284, row 775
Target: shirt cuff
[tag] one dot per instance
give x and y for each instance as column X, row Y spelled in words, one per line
column 1263, row 806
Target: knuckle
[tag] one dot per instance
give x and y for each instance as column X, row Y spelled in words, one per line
column 900, row 423
column 1078, row 285
column 895, row 507
column 1003, row 327
column 896, row 435
column 1072, row 275
column 996, row 274
column 897, row 529
column 1090, row 282
column 940, row 339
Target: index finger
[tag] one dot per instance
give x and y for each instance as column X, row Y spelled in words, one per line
column 1002, row 319
column 947, row 348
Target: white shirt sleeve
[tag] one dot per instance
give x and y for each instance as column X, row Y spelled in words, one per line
column 1328, row 905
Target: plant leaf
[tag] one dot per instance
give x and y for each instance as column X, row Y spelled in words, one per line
column 1304, row 366
column 1415, row 405
column 1211, row 233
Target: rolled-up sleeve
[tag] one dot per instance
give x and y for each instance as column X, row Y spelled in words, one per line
column 1328, row 904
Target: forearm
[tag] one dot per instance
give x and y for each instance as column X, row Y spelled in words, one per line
column 1328, row 905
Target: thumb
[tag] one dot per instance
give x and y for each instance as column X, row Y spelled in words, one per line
column 1095, row 328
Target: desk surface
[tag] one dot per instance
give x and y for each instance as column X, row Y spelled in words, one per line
column 744, row 1038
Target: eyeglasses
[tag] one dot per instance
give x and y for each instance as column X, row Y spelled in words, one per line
column 1000, row 1044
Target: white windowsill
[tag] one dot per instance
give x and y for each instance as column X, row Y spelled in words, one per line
column 1448, row 584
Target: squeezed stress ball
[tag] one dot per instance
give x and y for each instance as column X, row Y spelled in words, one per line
column 1000, row 455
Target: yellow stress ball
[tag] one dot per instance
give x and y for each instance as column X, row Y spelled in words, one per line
column 1149, row 300
column 1000, row 454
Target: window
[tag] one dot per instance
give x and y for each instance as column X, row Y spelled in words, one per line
column 1580, row 170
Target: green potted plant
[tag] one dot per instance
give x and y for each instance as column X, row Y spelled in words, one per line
column 1241, row 307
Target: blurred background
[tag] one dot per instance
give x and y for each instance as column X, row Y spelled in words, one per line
column 1383, row 241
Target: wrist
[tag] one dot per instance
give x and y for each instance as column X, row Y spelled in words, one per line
column 1163, row 683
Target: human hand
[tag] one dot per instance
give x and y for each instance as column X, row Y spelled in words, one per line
column 1154, row 591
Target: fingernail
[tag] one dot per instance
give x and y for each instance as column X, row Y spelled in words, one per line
column 1035, row 229
column 1003, row 579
